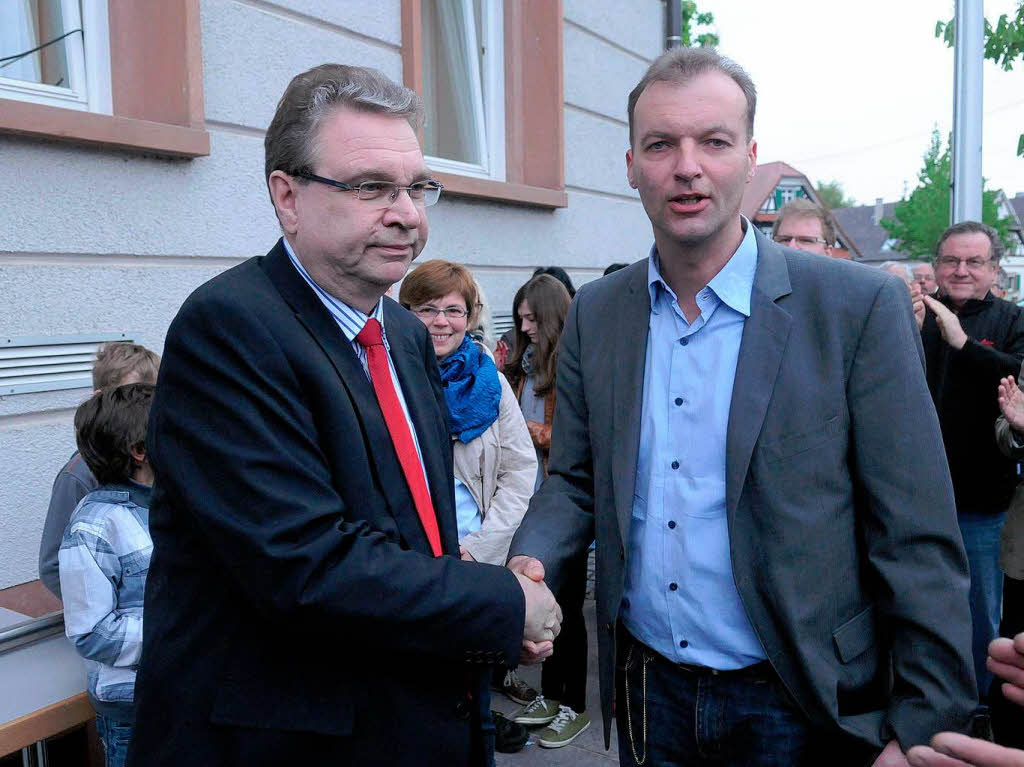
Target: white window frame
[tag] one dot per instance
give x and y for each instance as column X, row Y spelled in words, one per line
column 88, row 57
column 490, row 117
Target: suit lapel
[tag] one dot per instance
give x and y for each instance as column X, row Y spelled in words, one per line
column 632, row 320
column 312, row 314
column 764, row 340
column 416, row 388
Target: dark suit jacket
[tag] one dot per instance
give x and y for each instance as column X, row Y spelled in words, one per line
column 845, row 546
column 294, row 613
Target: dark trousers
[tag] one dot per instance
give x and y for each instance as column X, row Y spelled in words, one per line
column 672, row 715
column 1007, row 715
column 564, row 675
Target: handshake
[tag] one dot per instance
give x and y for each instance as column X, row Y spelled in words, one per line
column 543, row 615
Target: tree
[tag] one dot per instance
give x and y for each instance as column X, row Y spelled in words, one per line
column 1004, row 44
column 691, row 35
column 831, row 193
column 919, row 220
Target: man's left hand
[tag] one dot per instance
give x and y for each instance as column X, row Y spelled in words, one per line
column 951, row 749
column 917, row 302
column 891, row 756
column 949, row 325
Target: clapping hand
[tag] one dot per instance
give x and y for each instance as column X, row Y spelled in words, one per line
column 917, row 302
column 952, row 333
column 1011, row 402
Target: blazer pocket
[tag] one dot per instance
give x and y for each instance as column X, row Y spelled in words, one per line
column 794, row 444
column 856, row 635
column 280, row 704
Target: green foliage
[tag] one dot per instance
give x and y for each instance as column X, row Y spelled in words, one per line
column 832, row 194
column 691, row 34
column 1004, row 43
column 920, row 219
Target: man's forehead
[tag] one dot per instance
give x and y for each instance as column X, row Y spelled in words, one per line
column 710, row 97
column 798, row 220
column 975, row 242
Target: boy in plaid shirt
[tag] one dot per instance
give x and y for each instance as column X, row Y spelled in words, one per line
column 104, row 557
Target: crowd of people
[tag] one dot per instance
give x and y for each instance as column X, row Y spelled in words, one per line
column 335, row 521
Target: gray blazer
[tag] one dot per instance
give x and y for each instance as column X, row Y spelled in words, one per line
column 845, row 546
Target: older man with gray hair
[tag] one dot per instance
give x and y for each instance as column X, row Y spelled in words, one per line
column 306, row 564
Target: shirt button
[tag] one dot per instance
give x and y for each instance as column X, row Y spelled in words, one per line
column 684, row 341
column 671, row 524
column 679, row 401
column 673, row 586
column 683, row 643
column 675, row 464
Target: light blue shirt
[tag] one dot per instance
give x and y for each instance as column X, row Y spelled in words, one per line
column 351, row 322
column 680, row 597
column 466, row 511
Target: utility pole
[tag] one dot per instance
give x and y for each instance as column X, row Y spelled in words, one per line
column 673, row 24
column 968, row 55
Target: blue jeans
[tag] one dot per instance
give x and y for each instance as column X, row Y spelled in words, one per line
column 673, row 716
column 115, row 737
column 981, row 533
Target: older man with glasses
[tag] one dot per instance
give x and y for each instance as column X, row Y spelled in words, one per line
column 972, row 340
column 306, row 562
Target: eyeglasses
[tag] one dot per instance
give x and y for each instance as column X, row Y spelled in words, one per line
column 952, row 262
column 430, row 313
column 424, row 193
column 783, row 239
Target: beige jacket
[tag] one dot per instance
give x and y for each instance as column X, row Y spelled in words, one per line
column 1011, row 545
column 499, row 468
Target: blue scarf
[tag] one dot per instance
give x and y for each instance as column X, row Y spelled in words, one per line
column 472, row 390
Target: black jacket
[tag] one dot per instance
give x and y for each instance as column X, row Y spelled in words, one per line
column 963, row 385
column 294, row 613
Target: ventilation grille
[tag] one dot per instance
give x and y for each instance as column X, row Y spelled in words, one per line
column 50, row 363
column 502, row 323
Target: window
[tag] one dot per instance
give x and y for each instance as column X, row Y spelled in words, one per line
column 124, row 75
column 490, row 74
column 56, row 52
column 464, row 87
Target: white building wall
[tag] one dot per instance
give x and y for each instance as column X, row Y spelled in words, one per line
column 93, row 240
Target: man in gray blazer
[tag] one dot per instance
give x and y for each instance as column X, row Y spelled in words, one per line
column 747, row 431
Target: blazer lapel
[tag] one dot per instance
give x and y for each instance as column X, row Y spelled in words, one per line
column 312, row 314
column 416, row 388
column 764, row 341
column 629, row 361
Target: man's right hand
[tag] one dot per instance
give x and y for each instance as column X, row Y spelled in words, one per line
column 1011, row 403
column 543, row 615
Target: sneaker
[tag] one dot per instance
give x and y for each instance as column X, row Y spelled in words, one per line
column 536, row 712
column 564, row 729
column 509, row 737
column 516, row 689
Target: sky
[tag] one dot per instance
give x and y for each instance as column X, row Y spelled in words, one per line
column 852, row 91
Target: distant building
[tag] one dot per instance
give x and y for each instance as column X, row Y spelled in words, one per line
column 863, row 225
column 776, row 183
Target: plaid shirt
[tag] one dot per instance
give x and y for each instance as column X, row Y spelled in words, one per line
column 104, row 559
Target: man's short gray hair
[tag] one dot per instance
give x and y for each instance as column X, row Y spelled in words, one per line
column 680, row 65
column 901, row 266
column 291, row 141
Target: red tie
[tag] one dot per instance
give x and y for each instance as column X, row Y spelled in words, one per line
column 401, row 436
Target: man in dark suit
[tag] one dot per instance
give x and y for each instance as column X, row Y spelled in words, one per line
column 745, row 429
column 306, row 568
